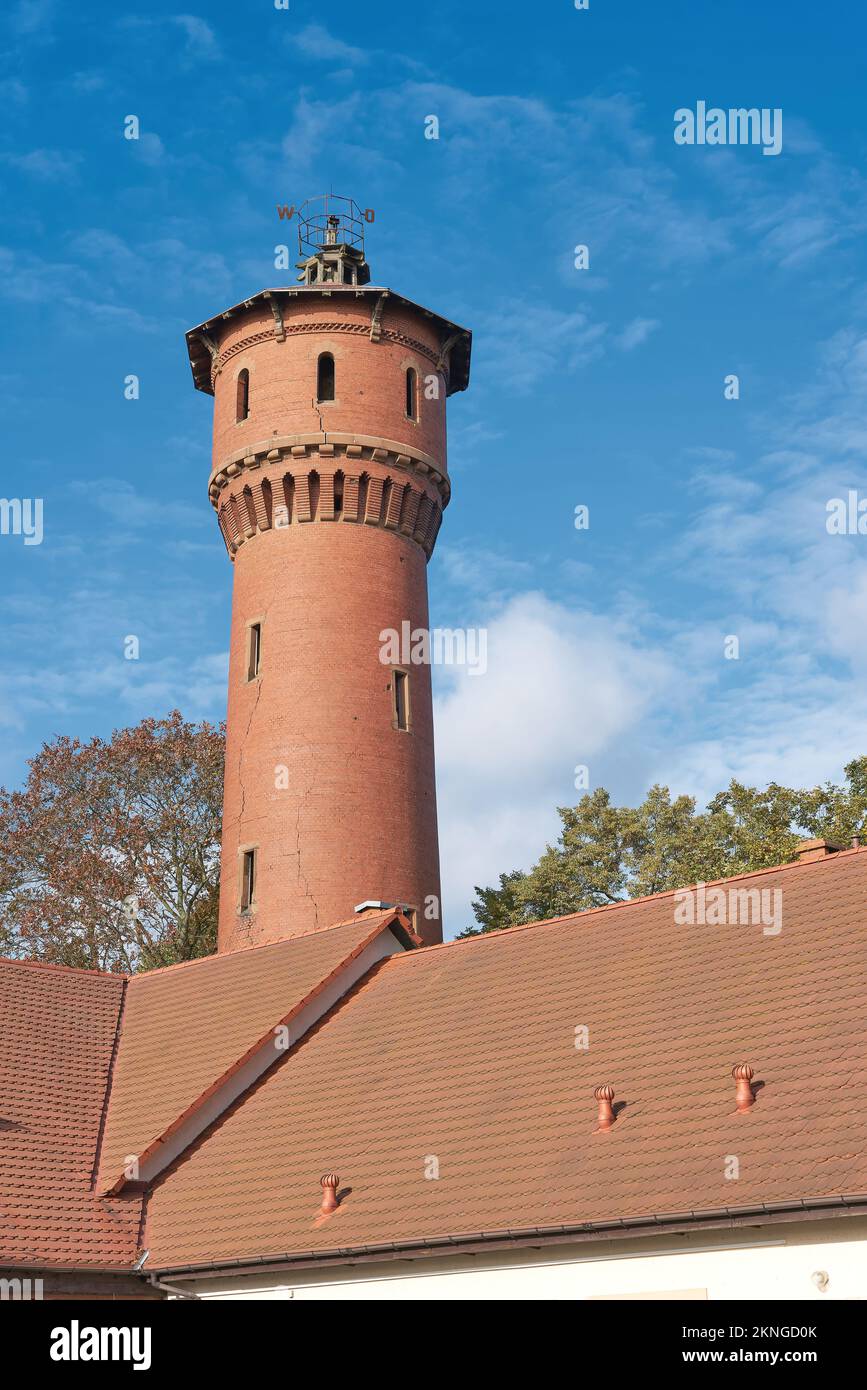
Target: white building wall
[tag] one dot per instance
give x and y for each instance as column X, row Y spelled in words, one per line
column 759, row 1262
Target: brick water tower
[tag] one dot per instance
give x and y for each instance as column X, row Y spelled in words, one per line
column 329, row 481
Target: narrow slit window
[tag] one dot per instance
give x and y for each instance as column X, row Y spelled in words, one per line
column 254, row 651
column 325, row 377
column 411, row 392
column 242, row 399
column 400, row 692
column 248, row 879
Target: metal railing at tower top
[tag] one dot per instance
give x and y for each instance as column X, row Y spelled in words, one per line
column 331, row 220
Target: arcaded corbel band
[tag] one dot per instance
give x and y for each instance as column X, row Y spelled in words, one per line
column 388, row 451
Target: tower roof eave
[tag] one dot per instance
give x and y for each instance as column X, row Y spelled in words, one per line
column 200, row 341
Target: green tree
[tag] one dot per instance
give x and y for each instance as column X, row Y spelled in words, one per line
column 607, row 853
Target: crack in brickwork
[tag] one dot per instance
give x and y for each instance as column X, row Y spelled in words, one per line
column 241, row 755
column 306, row 890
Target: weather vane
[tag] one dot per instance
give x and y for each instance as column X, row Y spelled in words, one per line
column 330, row 239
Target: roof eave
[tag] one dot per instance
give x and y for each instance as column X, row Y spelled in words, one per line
column 200, row 356
column 723, row 1218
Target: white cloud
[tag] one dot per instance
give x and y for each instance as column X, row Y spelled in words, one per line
column 315, row 41
column 636, row 333
column 519, row 343
column 87, row 81
column 153, row 36
column 481, row 570
column 201, row 40
column 132, row 509
column 793, row 707
column 790, row 222
column 76, row 667
column 656, row 699
column 613, row 179
column 51, row 165
column 845, row 612
column 30, row 18
column 149, row 147
column 561, row 688
column 13, row 91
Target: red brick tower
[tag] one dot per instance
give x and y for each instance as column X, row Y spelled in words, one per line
column 329, row 480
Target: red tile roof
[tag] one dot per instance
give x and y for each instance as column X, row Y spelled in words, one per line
column 460, row 1056
column 466, row 1054
column 188, row 1027
column 57, row 1035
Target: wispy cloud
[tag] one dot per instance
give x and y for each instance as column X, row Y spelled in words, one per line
column 13, row 92
column 636, row 333
column 32, row 18
column 198, row 44
column 201, row 41
column 134, row 510
column 319, row 44
column 87, row 82
column 52, row 166
column 315, row 41
column 520, row 343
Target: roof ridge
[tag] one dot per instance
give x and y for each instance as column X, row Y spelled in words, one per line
column 66, row 969
column 631, row 902
column 109, row 1083
column 248, row 950
column 198, row 960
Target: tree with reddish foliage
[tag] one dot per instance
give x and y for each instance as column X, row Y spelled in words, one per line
column 110, row 855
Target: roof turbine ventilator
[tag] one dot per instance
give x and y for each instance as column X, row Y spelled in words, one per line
column 604, row 1095
column 329, row 1183
column 744, row 1095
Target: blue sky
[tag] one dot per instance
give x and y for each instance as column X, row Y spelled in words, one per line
column 602, row 387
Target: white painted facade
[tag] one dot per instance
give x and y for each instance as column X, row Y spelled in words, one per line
column 786, row 1260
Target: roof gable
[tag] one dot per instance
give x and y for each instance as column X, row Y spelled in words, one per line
column 195, row 1035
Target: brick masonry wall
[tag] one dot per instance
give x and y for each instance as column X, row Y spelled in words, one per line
column 369, row 377
column 339, row 804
